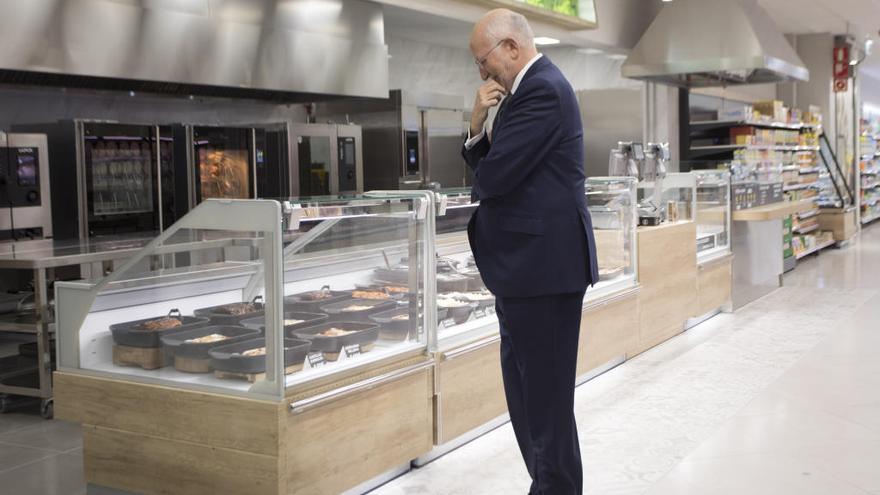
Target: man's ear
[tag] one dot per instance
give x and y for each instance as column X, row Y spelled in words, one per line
column 514, row 49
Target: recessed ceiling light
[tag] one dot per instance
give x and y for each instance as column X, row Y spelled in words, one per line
column 616, row 56
column 544, row 40
column 590, row 51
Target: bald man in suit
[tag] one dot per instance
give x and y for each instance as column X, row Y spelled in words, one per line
column 532, row 239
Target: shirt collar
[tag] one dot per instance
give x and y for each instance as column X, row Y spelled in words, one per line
column 522, row 73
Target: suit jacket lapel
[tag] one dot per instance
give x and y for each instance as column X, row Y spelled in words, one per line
column 534, row 69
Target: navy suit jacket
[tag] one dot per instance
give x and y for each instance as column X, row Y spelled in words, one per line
column 531, row 234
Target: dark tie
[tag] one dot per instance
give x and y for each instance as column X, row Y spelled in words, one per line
column 501, row 107
column 495, row 123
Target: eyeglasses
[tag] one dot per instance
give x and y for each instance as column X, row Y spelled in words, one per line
column 481, row 61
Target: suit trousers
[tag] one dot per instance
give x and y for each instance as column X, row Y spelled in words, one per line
column 539, row 345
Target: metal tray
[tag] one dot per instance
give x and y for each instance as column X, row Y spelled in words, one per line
column 128, row 333
column 365, row 333
column 309, row 319
column 336, row 313
column 228, row 358
column 217, row 317
column 299, row 302
column 177, row 345
column 391, row 329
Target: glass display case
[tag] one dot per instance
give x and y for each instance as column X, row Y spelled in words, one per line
column 678, row 198
column 466, row 309
column 302, row 290
column 712, row 213
column 612, row 205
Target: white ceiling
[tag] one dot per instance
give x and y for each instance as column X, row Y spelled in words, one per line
column 825, row 16
column 858, row 17
column 452, row 23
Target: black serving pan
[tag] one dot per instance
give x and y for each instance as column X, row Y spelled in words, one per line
column 301, row 302
column 179, row 348
column 460, row 313
column 220, row 317
column 336, row 310
column 452, row 282
column 365, row 333
column 309, row 320
column 129, row 333
column 228, row 358
column 391, row 329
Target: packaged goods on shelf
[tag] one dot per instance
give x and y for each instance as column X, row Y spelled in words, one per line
column 774, row 109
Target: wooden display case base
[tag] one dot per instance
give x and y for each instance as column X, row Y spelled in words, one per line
column 609, row 331
column 714, row 285
column 191, row 365
column 152, row 439
column 470, row 389
column 668, row 279
column 148, row 358
column 252, row 377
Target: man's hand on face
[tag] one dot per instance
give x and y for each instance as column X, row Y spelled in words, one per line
column 488, row 95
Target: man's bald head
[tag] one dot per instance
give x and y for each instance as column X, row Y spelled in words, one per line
column 502, row 43
column 499, row 24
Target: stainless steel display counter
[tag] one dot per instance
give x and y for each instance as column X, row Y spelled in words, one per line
column 757, row 249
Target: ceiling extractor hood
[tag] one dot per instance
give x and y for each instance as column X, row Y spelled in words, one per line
column 701, row 43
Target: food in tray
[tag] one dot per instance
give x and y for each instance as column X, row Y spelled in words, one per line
column 396, row 289
column 445, row 302
column 336, row 332
column 260, row 351
column 450, row 277
column 318, row 295
column 606, row 273
column 237, row 309
column 369, row 294
column 207, row 339
column 291, row 321
column 477, row 296
column 356, row 307
column 163, row 323
column 400, row 318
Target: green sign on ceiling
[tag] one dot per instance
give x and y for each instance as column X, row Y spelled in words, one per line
column 581, row 9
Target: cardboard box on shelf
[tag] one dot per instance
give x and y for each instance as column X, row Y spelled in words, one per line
column 773, row 109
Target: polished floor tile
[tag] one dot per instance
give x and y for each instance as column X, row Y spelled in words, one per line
column 754, row 402
column 13, row 456
column 60, row 474
column 767, row 474
column 58, row 436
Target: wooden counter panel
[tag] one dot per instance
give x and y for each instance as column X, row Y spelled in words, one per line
column 339, row 445
column 471, row 392
column 714, row 283
column 608, row 332
column 668, row 280
column 211, row 419
column 150, row 465
column 775, row 211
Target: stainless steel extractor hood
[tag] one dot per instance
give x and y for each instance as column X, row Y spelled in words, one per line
column 700, row 43
column 217, row 47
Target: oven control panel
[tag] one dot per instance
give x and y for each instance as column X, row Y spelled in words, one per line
column 19, row 176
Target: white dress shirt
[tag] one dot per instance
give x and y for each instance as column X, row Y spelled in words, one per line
column 471, row 141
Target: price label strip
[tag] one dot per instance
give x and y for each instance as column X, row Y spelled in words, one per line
column 352, row 350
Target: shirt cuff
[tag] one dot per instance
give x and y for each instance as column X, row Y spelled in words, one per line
column 471, row 141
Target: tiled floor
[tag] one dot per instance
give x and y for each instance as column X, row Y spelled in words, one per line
column 782, row 397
